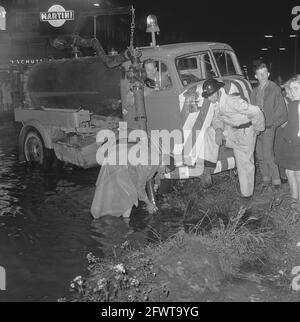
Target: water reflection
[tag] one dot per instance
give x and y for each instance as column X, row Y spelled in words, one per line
column 46, row 229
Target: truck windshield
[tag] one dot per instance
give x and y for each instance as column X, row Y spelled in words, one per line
column 195, row 67
column 227, row 62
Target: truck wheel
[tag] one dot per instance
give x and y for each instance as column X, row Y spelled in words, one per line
column 35, row 151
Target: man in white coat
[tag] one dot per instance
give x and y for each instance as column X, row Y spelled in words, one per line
column 237, row 123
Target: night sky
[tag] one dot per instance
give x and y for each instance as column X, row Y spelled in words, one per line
column 241, row 24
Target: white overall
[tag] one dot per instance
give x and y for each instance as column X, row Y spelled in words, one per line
column 233, row 111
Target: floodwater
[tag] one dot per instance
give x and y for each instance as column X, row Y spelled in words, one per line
column 46, row 229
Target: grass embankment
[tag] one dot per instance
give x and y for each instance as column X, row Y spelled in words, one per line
column 222, row 243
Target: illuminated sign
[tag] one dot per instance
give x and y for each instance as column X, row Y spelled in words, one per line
column 296, row 20
column 2, row 18
column 29, row 61
column 57, row 15
column 2, row 279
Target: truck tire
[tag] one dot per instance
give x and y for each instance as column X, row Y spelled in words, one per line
column 35, row 151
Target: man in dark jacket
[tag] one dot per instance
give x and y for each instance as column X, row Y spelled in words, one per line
column 269, row 98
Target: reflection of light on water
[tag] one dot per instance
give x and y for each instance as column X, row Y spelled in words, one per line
column 109, row 231
column 10, row 183
column 46, row 229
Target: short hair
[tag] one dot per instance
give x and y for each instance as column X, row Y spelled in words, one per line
column 294, row 79
column 286, row 84
column 259, row 66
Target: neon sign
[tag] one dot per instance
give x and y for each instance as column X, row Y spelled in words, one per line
column 57, row 15
column 28, row 61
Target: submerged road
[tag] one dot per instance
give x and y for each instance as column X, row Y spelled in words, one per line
column 46, row 229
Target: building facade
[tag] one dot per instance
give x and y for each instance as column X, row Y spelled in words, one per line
column 25, row 41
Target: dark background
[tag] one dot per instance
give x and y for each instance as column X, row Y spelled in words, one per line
column 241, row 24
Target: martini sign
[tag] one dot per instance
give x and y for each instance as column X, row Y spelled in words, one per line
column 57, row 15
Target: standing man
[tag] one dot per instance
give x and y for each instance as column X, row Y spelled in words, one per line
column 1, row 98
column 237, row 122
column 269, row 98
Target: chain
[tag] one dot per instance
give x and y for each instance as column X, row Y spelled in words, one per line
column 132, row 26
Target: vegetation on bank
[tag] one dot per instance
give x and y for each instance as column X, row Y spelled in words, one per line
column 221, row 240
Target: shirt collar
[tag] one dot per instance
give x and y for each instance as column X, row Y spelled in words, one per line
column 265, row 85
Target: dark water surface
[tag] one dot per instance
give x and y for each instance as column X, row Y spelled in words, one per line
column 46, row 230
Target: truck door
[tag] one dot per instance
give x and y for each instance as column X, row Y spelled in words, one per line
column 161, row 99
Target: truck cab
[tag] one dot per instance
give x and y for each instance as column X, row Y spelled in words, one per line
column 187, row 65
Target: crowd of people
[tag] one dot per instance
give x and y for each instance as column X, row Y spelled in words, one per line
column 267, row 127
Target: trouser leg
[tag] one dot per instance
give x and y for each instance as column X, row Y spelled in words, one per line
column 297, row 175
column 246, row 171
column 268, row 160
column 260, row 154
column 274, row 170
column 282, row 173
column 292, row 183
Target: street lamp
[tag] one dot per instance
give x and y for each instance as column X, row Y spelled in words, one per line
column 95, row 26
column 95, row 4
column 295, row 56
column 295, row 36
column 275, row 45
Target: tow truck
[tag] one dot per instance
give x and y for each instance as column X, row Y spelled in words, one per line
column 70, row 100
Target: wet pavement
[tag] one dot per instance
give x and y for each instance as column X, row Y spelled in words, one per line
column 46, row 230
column 40, row 248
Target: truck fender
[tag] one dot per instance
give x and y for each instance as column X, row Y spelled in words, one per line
column 44, row 132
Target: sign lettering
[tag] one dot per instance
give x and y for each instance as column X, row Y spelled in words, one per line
column 296, row 20
column 2, row 279
column 28, row 61
column 57, row 15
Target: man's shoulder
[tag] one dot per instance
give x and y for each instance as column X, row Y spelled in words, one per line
column 293, row 104
column 273, row 87
column 235, row 100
